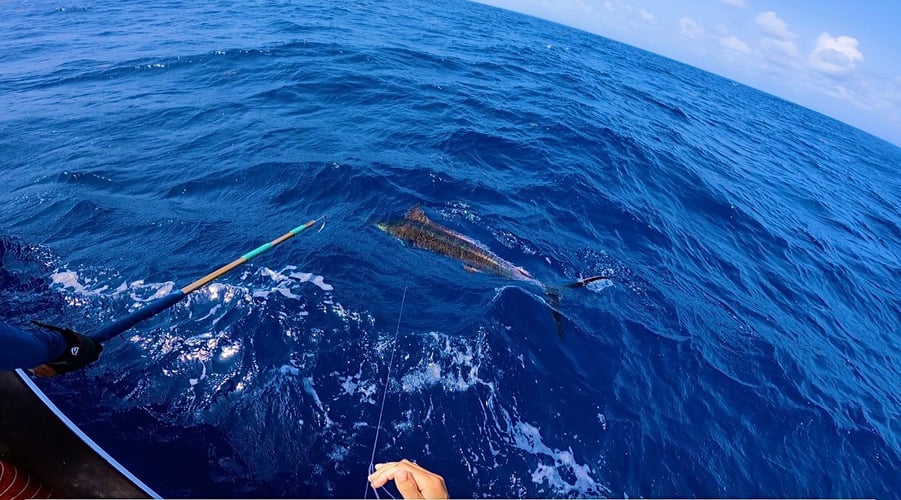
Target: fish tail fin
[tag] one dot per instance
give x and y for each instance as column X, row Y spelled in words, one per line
column 583, row 282
column 554, row 296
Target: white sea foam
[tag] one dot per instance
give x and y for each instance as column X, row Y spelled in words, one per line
column 227, row 352
column 355, row 384
column 288, row 370
column 527, row 437
column 316, row 280
column 71, row 279
column 194, row 381
column 310, row 389
column 448, row 363
column 339, row 453
column 215, row 309
column 453, row 365
column 320, row 282
column 211, row 303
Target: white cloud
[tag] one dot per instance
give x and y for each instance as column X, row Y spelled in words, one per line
column 580, row 5
column 882, row 97
column 774, row 26
column 623, row 16
column 737, row 3
column 778, row 44
column 773, row 47
column 690, row 28
column 735, row 43
column 835, row 56
column 619, row 6
column 575, row 6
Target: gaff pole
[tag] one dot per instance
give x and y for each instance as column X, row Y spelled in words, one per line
column 161, row 304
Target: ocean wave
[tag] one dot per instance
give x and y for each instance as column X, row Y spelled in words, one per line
column 743, row 345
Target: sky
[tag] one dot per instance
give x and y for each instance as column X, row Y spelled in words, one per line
column 839, row 57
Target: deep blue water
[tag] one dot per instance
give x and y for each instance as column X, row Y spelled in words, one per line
column 746, row 346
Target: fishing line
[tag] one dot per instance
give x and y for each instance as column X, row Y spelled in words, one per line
column 378, row 427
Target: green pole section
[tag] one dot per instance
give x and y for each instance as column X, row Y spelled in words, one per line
column 248, row 256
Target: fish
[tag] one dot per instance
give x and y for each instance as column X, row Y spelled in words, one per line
column 421, row 232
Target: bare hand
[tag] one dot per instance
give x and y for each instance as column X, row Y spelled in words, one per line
column 43, row 371
column 411, row 480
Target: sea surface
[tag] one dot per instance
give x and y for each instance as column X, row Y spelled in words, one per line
column 746, row 345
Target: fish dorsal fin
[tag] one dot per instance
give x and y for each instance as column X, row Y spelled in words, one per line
column 416, row 214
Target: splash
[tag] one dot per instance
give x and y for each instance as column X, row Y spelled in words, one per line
column 286, row 279
column 454, row 366
column 71, row 280
column 527, row 437
column 466, row 368
column 247, row 357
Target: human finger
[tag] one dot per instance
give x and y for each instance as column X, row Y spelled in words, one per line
column 430, row 485
column 380, row 476
column 386, row 471
column 407, row 485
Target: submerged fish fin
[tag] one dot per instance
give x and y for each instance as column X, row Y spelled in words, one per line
column 416, row 214
column 553, row 296
column 470, row 268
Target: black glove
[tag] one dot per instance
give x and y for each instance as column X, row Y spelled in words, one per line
column 81, row 350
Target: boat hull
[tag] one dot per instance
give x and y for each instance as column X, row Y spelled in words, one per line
column 37, row 436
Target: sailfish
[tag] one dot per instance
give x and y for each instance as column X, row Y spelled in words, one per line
column 421, row 232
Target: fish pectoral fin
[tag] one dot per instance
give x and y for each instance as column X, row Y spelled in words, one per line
column 470, row 268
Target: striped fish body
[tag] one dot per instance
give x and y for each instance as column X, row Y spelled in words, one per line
column 419, row 231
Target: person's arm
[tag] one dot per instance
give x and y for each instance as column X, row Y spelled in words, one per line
column 24, row 349
column 48, row 351
column 412, row 480
column 81, row 350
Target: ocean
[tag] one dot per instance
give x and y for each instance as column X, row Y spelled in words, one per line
column 746, row 344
